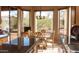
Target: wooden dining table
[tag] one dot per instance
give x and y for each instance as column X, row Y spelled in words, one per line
column 43, row 36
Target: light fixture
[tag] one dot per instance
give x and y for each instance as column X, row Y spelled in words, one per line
column 40, row 16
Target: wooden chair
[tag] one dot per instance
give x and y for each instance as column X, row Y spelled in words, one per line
column 43, row 43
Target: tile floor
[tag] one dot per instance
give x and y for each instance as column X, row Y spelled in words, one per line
column 55, row 48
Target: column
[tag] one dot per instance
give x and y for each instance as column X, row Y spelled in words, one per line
column 55, row 26
column 32, row 20
column 20, row 28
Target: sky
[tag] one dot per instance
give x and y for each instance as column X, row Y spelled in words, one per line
column 45, row 13
column 6, row 13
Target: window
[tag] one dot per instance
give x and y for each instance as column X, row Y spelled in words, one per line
column 5, row 20
column 13, row 27
column 63, row 21
column 63, row 25
column 26, row 18
column 13, row 21
column 44, row 20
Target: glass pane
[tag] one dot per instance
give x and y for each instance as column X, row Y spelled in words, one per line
column 26, row 18
column 5, row 20
column 45, row 22
column 26, row 27
column 4, row 27
column 63, row 25
column 14, row 27
column 14, row 21
column 63, row 22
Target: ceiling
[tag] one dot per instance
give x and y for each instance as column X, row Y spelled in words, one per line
column 42, row 7
column 33, row 7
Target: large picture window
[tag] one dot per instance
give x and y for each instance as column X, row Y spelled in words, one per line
column 44, row 20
